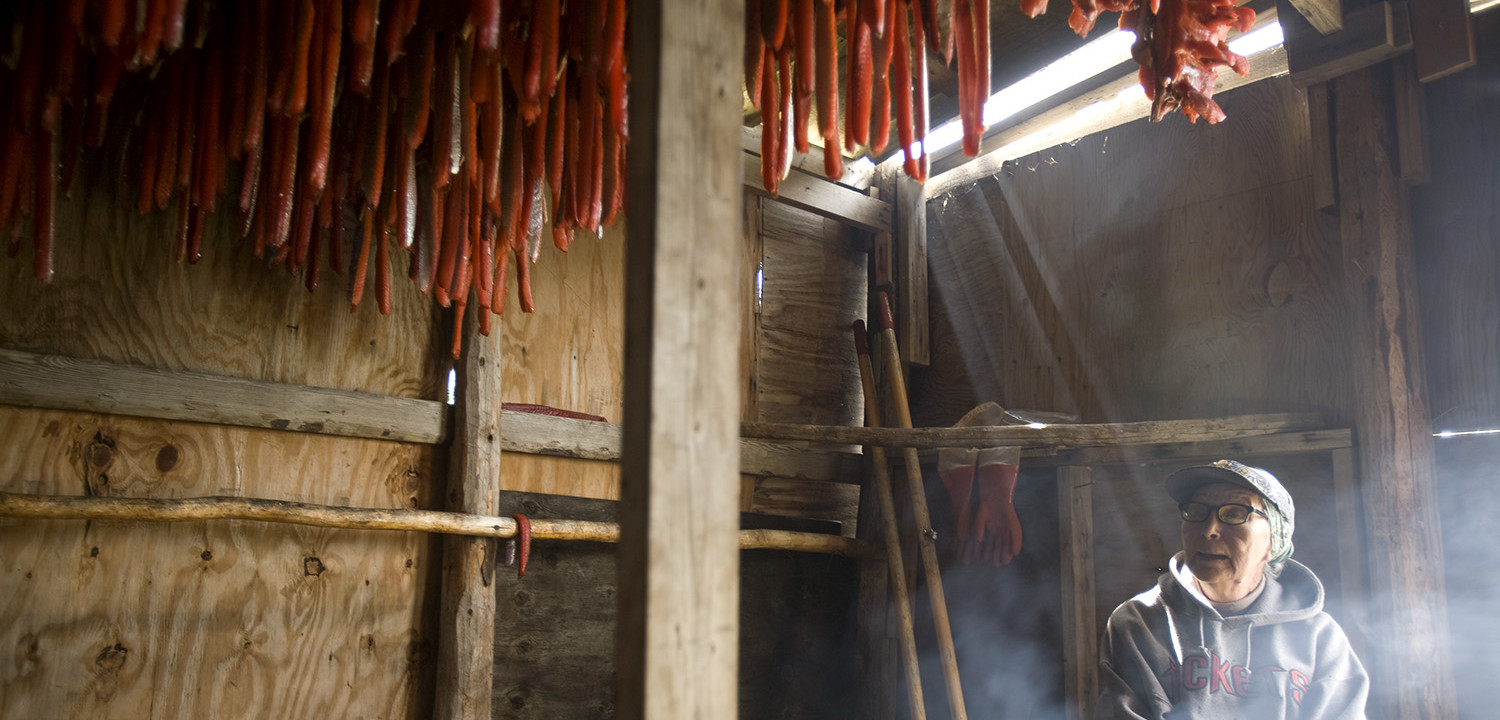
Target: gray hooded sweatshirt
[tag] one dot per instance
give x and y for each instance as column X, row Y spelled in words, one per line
column 1168, row 653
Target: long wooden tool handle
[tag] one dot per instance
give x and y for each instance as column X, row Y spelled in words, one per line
column 924, row 521
column 882, row 483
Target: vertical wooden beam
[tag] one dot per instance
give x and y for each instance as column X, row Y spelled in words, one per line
column 1075, row 508
column 678, row 629
column 1324, row 172
column 1411, row 121
column 1353, row 587
column 909, row 211
column 1411, row 672
column 466, row 641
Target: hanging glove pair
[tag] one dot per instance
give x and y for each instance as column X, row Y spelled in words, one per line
column 987, row 527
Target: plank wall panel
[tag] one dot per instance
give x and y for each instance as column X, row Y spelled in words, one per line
column 814, row 287
column 210, row 618
column 1457, row 239
column 119, row 295
column 569, row 354
column 1094, row 278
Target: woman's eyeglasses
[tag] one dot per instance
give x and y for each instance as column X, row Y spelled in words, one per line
column 1229, row 513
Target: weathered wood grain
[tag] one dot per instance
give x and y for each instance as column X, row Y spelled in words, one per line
column 64, row 383
column 466, row 647
column 1312, row 441
column 1067, row 435
column 1370, row 34
column 1327, row 16
column 678, row 611
column 1075, row 508
column 1412, row 676
column 1442, row 38
column 204, row 618
column 817, row 195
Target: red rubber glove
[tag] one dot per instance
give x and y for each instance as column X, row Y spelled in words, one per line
column 998, row 532
column 956, row 468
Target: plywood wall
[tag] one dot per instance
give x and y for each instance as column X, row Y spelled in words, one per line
column 210, row 619
column 1154, row 271
column 1457, row 237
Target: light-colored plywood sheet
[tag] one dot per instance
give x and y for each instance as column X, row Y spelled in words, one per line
column 210, row 619
column 569, row 354
column 118, row 295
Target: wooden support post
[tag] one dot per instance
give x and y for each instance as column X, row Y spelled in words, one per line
column 1411, row 672
column 1324, row 170
column 910, row 209
column 678, row 629
column 1075, row 509
column 466, row 640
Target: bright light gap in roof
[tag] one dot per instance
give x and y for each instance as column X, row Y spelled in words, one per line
column 1462, row 433
column 1107, row 51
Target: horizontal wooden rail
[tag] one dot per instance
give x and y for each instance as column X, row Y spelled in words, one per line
column 63, row 507
column 74, row 384
column 822, row 197
column 1057, row 436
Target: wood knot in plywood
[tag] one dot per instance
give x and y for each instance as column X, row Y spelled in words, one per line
column 312, row 566
column 112, row 658
column 167, row 457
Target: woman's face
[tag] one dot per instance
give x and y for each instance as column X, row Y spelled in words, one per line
column 1227, row 559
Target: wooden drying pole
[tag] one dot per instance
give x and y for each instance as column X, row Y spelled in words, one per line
column 64, row 507
column 881, row 480
column 925, row 534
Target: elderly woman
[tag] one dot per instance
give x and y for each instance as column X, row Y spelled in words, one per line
column 1235, row 628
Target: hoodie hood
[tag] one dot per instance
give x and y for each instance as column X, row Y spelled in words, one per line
column 1295, row 595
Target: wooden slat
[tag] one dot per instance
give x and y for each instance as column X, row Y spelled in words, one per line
column 1413, row 675
column 1326, row 16
column 1352, row 573
column 466, row 626
column 678, row 630
column 1442, row 37
column 1276, row 444
column 1371, row 34
column 1075, row 508
column 817, row 195
column 856, row 175
column 1082, row 435
column 60, row 383
column 1411, row 122
column 1320, row 148
column 911, row 271
column 49, row 381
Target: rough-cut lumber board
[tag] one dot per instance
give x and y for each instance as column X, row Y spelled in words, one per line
column 1411, row 122
column 1082, row 435
column 1326, row 16
column 49, row 381
column 679, row 610
column 129, row 619
column 817, row 195
column 490, row 527
column 1371, row 34
column 1320, row 147
column 1075, row 508
column 1413, row 676
column 1351, row 542
column 910, row 207
column 856, row 175
column 1276, row 444
column 1442, row 37
column 466, row 641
